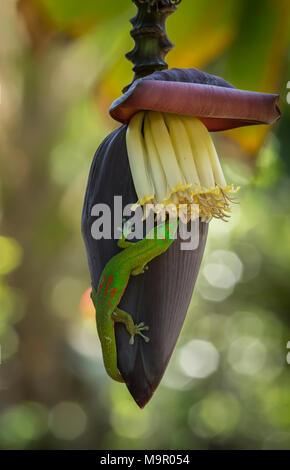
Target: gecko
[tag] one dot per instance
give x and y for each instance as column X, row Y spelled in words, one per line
column 113, row 282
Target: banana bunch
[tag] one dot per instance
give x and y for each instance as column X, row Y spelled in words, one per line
column 174, row 163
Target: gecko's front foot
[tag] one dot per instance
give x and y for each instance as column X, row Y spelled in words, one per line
column 138, row 331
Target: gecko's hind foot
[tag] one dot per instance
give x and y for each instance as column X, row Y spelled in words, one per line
column 138, row 331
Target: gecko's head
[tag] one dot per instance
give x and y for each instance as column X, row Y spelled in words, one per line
column 166, row 232
column 172, row 226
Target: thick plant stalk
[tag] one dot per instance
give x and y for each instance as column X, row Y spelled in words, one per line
column 149, row 33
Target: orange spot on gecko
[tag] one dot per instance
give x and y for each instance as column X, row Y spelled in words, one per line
column 113, row 292
column 161, row 237
column 108, row 283
column 171, row 231
column 101, row 284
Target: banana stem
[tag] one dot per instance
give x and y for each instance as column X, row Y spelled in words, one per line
column 149, row 33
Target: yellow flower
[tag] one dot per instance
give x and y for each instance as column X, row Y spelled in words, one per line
column 174, row 163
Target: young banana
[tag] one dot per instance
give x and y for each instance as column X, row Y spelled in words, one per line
column 138, row 159
column 173, row 160
column 162, row 192
column 165, row 149
column 183, row 152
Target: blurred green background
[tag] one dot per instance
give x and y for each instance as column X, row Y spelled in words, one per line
column 228, row 383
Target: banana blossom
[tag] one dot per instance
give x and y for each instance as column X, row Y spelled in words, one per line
column 161, row 153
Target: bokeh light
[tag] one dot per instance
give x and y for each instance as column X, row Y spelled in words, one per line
column 127, row 420
column 67, row 420
column 199, row 359
column 22, row 424
column 10, row 255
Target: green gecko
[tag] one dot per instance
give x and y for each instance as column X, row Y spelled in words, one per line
column 113, row 282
